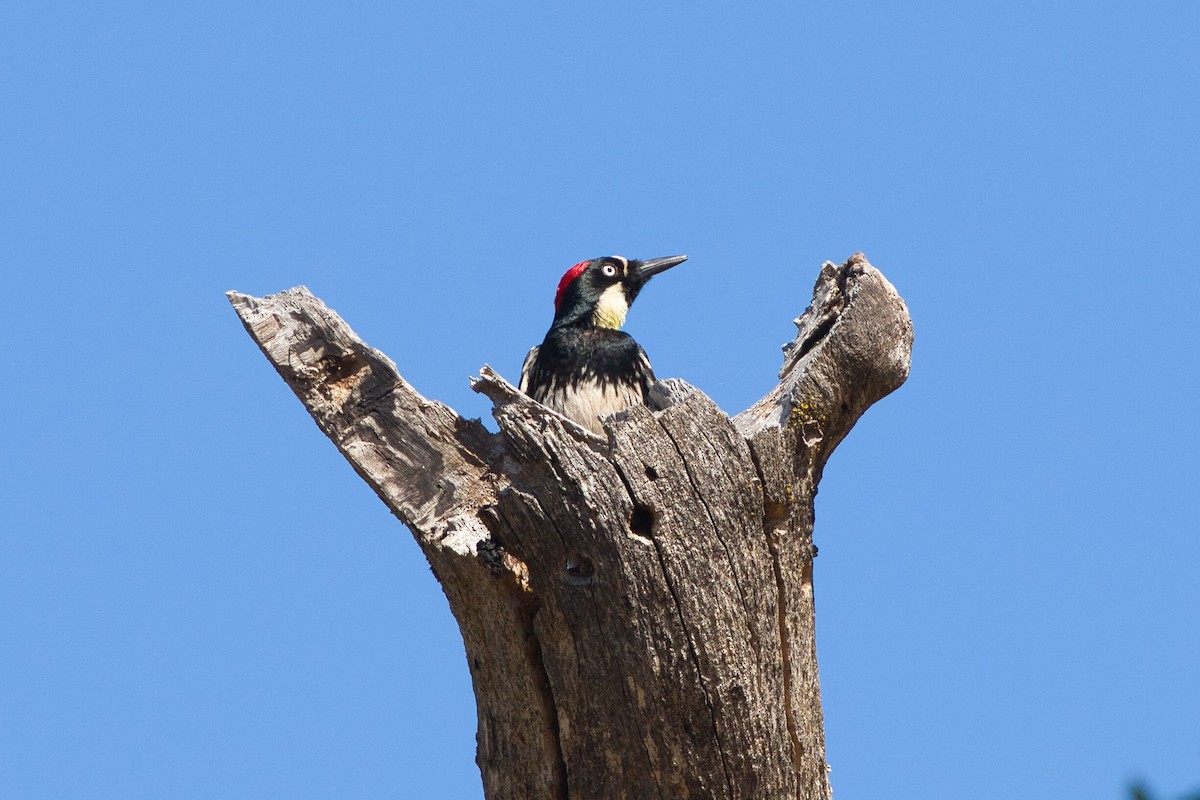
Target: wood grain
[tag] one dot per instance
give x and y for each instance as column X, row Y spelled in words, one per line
column 637, row 609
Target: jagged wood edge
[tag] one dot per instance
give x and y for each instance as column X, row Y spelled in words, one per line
column 852, row 348
column 358, row 399
column 437, row 473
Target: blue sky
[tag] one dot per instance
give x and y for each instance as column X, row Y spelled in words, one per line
column 198, row 597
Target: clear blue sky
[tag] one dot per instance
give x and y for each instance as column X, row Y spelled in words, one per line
column 198, row 597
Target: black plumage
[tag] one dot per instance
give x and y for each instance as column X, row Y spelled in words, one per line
column 586, row 367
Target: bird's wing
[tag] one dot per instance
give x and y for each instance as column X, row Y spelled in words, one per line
column 645, row 371
column 527, row 370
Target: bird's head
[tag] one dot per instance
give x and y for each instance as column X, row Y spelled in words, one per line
column 599, row 292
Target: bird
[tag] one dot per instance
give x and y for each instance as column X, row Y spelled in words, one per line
column 587, row 367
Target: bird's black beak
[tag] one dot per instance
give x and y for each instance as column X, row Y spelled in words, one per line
column 648, row 269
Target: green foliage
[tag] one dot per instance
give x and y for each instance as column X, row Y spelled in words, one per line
column 1138, row 791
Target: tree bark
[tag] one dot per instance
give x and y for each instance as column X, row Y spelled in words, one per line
column 637, row 610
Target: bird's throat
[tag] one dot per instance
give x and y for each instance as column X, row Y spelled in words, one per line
column 611, row 309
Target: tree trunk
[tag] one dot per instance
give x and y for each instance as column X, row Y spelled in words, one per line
column 637, row 610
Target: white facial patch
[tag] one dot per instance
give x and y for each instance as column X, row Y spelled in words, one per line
column 612, row 308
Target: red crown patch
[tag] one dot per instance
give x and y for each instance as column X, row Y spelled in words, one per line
column 567, row 279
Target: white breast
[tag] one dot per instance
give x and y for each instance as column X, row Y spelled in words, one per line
column 592, row 400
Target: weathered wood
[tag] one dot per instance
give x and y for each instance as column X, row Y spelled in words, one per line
column 637, row 610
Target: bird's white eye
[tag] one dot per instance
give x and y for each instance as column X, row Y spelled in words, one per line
column 609, row 270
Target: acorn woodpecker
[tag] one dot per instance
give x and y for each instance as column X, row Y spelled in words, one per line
column 586, row 367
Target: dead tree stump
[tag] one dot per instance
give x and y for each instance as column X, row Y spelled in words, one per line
column 638, row 610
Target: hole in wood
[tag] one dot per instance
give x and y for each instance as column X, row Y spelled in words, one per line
column 774, row 512
column 342, row 366
column 652, row 473
column 641, row 521
column 579, row 568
